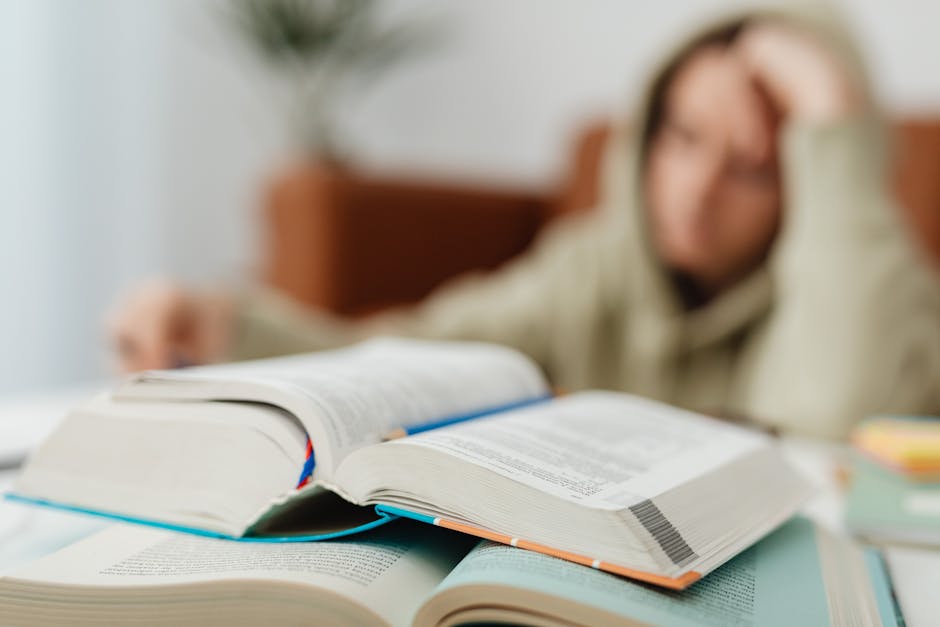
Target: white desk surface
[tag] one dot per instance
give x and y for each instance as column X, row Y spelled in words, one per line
column 25, row 421
column 28, row 533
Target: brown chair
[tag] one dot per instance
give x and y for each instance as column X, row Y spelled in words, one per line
column 354, row 244
column 916, row 180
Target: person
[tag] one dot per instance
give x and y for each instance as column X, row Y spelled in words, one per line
column 746, row 258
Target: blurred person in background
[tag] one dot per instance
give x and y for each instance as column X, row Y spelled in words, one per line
column 746, row 257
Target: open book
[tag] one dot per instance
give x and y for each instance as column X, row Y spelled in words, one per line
column 608, row 480
column 405, row 574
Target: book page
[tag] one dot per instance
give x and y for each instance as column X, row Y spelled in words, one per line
column 389, row 571
column 605, row 450
column 362, row 393
column 851, row 575
column 776, row 582
column 914, row 572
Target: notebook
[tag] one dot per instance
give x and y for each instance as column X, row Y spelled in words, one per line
column 906, row 444
column 884, row 506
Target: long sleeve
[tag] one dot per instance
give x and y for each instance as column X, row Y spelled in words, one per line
column 553, row 290
column 855, row 328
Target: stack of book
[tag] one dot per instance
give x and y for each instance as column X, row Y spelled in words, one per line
column 895, row 489
column 406, row 482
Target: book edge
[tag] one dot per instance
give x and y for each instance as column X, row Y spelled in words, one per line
column 674, row 583
column 888, row 607
column 382, row 518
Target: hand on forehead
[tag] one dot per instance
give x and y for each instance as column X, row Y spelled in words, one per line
column 716, row 95
column 751, row 129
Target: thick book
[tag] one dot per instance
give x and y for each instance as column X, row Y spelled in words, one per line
column 405, row 574
column 292, row 449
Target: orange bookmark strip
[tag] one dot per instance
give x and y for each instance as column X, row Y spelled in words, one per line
column 674, row 583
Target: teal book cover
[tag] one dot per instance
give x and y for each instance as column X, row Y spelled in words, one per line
column 885, row 505
column 778, row 582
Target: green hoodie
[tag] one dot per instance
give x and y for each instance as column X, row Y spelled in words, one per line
column 842, row 320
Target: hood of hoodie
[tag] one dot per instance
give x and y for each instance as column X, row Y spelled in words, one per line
column 622, row 197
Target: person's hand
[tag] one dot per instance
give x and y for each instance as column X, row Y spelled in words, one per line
column 163, row 325
column 802, row 76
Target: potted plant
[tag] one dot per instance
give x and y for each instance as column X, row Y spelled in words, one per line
column 323, row 51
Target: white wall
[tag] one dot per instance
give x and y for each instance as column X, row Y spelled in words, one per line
column 502, row 98
column 135, row 137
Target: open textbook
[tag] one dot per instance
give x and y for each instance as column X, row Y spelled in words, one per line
column 281, row 449
column 406, row 574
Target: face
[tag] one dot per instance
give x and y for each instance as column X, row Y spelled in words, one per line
column 711, row 180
